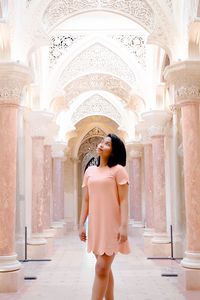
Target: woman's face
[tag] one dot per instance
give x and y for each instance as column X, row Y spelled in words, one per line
column 104, row 149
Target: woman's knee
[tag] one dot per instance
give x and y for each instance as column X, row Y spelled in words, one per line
column 101, row 269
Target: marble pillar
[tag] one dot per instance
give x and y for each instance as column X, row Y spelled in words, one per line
column 37, row 184
column 160, row 224
column 136, row 189
column 148, row 186
column 38, row 246
column 47, row 187
column 131, row 189
column 12, row 79
column 58, row 188
column 184, row 77
column 156, row 122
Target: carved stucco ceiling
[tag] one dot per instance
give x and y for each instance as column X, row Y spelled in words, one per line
column 155, row 16
column 60, row 44
column 97, row 59
column 138, row 10
column 96, row 105
column 94, row 81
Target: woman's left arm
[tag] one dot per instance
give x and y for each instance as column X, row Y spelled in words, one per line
column 123, row 200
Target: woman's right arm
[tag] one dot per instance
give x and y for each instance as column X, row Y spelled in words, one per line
column 84, row 214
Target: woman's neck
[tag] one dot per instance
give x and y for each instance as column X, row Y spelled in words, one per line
column 103, row 162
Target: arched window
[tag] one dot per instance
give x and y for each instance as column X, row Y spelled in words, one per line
column 92, row 162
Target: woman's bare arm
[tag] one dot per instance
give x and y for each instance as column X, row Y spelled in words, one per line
column 84, row 214
column 123, row 198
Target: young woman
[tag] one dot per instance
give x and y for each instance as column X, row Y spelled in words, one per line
column 105, row 191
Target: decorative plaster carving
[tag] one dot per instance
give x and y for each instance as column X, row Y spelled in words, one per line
column 185, row 77
column 156, row 121
column 13, row 77
column 28, row 2
column 94, row 132
column 97, row 58
column 156, row 130
column 185, row 92
column 87, row 150
column 96, row 104
column 59, row 44
column 138, row 10
column 135, row 43
column 104, row 82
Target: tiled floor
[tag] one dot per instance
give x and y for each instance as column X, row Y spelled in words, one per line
column 69, row 275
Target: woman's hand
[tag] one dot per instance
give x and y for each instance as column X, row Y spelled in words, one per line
column 82, row 233
column 122, row 234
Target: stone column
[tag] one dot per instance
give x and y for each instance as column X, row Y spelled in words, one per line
column 131, row 189
column 13, row 77
column 156, row 122
column 185, row 77
column 76, row 206
column 148, row 179
column 58, row 188
column 47, row 186
column 176, row 202
column 136, row 188
column 38, row 244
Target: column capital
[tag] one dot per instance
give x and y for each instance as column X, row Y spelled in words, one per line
column 135, row 154
column 58, row 149
column 13, row 77
column 185, row 76
column 40, row 122
column 156, row 121
column 143, row 130
column 134, row 149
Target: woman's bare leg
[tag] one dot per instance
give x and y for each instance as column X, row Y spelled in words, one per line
column 110, row 287
column 102, row 273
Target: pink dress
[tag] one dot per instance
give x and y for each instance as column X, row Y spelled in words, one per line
column 104, row 209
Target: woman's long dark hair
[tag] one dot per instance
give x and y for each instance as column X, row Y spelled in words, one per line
column 118, row 154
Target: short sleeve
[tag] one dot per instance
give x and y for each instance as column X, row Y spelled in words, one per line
column 121, row 175
column 85, row 179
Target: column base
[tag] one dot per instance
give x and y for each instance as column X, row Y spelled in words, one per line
column 161, row 250
column 192, row 279
column 161, row 238
column 11, row 282
column 49, row 236
column 37, row 248
column 137, row 224
column 135, row 231
column 69, row 225
column 59, row 229
column 191, row 260
column 149, row 232
column 10, row 274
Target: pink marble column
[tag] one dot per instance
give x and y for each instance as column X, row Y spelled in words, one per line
column 148, row 187
column 37, row 184
column 184, row 77
column 58, row 189
column 12, row 79
column 8, row 138
column 131, row 190
column 137, row 193
column 47, row 186
column 159, row 185
column 191, row 156
column 155, row 122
